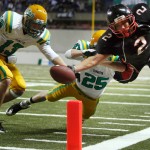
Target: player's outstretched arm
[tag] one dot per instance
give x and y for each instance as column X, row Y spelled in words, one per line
column 90, row 62
column 116, row 66
column 58, row 61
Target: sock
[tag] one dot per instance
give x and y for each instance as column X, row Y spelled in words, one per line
column 31, row 100
column 25, row 103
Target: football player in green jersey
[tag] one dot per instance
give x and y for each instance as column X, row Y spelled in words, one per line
column 88, row 87
column 19, row 31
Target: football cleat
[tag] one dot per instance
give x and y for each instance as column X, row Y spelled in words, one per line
column 15, row 108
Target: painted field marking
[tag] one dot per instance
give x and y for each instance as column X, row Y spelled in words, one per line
column 61, row 133
column 140, row 116
column 48, row 141
column 105, row 129
column 16, row 148
column 122, row 141
column 147, row 113
column 64, row 116
column 122, row 124
column 117, row 103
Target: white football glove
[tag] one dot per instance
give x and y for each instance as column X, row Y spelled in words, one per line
column 89, row 52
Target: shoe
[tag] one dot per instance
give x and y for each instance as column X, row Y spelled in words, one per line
column 2, row 130
column 15, row 108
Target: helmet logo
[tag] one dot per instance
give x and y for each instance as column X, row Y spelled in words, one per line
column 119, row 18
column 29, row 13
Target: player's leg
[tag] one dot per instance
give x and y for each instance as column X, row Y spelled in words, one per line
column 5, row 80
column 88, row 104
column 55, row 94
column 17, row 86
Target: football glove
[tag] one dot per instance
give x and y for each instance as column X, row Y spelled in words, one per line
column 76, row 74
column 72, row 68
column 89, row 52
column 127, row 74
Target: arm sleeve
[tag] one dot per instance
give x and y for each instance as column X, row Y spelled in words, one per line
column 49, row 53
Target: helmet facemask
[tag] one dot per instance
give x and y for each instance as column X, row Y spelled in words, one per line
column 34, row 28
column 128, row 23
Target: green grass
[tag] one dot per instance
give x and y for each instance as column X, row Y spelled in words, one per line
column 128, row 109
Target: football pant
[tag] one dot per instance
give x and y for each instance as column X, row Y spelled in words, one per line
column 71, row 90
column 10, row 71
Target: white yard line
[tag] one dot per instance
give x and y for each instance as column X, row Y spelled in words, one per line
column 140, row 116
column 122, row 124
column 105, row 129
column 135, row 95
column 121, row 141
column 128, row 89
column 61, row 133
column 48, row 141
column 125, row 103
column 64, row 116
column 112, row 88
column 123, row 119
column 16, row 148
column 106, row 102
column 45, row 140
column 148, row 113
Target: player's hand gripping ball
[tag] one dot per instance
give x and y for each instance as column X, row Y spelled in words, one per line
column 62, row 74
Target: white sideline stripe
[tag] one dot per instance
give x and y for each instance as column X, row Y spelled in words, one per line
column 48, row 141
column 83, row 134
column 64, row 116
column 105, row 129
column 122, row 141
column 16, row 148
column 122, row 124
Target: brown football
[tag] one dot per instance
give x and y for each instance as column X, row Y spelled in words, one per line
column 62, row 74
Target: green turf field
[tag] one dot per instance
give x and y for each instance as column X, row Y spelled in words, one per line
column 123, row 113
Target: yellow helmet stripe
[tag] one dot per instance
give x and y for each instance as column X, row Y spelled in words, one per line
column 45, row 37
column 9, row 18
column 84, row 44
column 2, row 73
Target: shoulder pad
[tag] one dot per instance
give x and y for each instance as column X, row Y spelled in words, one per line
column 45, row 37
column 8, row 18
column 81, row 45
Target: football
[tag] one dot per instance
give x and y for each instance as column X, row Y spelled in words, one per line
column 62, row 74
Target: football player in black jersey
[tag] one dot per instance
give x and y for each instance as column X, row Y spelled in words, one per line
column 128, row 36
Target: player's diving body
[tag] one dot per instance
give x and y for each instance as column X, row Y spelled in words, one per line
column 128, row 36
column 88, row 87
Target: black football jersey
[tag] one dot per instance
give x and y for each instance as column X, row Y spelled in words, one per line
column 109, row 43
